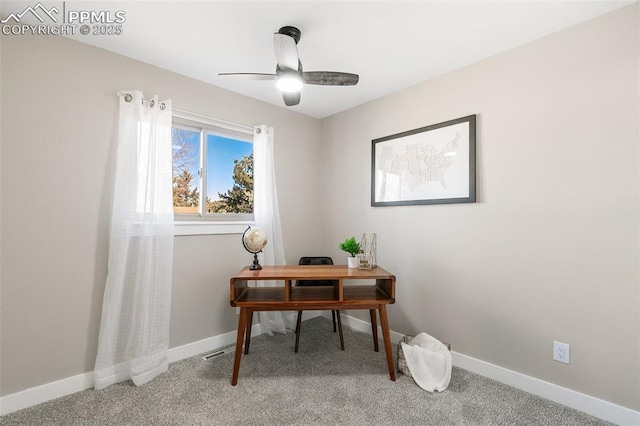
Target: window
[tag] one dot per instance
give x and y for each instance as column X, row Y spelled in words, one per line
column 212, row 170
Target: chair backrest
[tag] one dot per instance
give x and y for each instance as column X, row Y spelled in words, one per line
column 316, row 260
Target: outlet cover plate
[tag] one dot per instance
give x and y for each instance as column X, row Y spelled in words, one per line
column 561, row 352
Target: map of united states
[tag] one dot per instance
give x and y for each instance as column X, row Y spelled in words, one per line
column 416, row 163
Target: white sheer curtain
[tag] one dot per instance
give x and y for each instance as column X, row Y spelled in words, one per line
column 267, row 217
column 134, row 332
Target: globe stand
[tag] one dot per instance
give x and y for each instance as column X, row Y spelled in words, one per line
column 255, row 265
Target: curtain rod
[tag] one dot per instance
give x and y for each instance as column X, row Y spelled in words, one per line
column 128, row 97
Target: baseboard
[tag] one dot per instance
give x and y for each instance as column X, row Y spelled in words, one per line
column 363, row 326
column 191, row 349
column 43, row 393
column 215, row 342
column 47, row 392
column 579, row 401
column 587, row 404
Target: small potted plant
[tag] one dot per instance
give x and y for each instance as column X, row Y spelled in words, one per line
column 352, row 247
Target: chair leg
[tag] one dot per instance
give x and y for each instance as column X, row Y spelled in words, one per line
column 333, row 316
column 340, row 329
column 298, row 323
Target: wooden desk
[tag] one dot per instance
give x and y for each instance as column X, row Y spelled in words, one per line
column 290, row 298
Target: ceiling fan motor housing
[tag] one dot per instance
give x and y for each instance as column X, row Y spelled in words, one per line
column 292, row 32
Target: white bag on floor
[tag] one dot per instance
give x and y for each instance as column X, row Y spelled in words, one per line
column 429, row 362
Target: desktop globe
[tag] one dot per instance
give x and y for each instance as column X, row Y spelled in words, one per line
column 254, row 240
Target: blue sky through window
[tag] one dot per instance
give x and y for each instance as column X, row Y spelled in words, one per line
column 221, row 153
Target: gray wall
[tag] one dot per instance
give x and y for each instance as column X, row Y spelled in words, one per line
column 59, row 107
column 550, row 250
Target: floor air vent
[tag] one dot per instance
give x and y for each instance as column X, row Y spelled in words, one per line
column 207, row 357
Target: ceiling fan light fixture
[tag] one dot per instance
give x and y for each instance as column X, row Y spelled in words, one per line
column 289, row 82
column 289, row 75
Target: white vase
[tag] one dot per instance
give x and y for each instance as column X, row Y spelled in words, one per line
column 352, row 262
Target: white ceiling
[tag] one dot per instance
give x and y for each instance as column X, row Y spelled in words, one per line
column 390, row 44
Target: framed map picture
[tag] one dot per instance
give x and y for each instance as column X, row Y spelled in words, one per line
column 431, row 165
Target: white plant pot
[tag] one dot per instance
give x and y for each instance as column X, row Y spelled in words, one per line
column 352, row 262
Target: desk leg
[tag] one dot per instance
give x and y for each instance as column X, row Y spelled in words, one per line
column 242, row 326
column 248, row 333
column 384, row 322
column 298, row 324
column 374, row 329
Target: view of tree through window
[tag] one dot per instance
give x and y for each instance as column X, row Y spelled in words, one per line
column 212, row 171
column 186, row 165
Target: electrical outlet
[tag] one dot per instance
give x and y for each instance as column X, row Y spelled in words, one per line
column 561, row 352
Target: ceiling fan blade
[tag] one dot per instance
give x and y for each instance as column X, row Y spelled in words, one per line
column 286, row 51
column 291, row 98
column 330, row 78
column 249, row 75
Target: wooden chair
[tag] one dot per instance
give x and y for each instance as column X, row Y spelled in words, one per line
column 318, row 260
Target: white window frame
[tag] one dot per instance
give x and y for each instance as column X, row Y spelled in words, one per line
column 220, row 223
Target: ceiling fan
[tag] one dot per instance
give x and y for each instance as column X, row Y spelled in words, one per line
column 289, row 75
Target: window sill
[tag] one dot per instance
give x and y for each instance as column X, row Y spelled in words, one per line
column 209, row 228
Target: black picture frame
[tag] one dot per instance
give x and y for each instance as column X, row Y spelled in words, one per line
column 435, row 164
